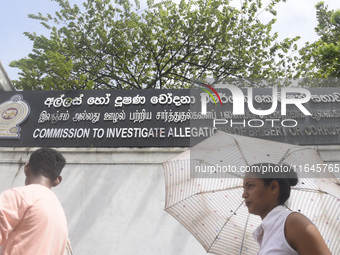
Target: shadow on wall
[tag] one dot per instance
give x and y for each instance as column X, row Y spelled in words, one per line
column 120, row 209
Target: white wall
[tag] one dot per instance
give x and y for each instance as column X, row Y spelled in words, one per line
column 114, row 199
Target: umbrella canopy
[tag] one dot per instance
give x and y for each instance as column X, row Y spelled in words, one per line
column 204, row 187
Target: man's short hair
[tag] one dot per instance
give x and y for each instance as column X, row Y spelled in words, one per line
column 47, row 162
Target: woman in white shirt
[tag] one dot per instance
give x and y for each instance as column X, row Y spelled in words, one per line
column 282, row 232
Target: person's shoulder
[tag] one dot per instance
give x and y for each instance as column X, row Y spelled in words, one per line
column 303, row 236
column 31, row 193
column 296, row 219
column 22, row 190
column 13, row 191
column 296, row 224
column 13, row 198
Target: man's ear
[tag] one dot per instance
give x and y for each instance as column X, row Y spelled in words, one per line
column 57, row 181
column 26, row 169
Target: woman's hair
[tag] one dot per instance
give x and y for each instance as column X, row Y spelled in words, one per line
column 283, row 174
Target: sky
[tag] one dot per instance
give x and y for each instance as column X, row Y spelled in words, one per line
column 294, row 18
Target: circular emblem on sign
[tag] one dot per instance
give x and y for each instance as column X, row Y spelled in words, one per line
column 12, row 113
column 9, row 113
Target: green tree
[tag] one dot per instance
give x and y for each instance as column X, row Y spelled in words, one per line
column 321, row 59
column 167, row 45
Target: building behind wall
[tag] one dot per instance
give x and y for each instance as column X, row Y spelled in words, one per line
column 5, row 82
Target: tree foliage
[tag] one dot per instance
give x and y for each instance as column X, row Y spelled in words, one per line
column 321, row 59
column 117, row 45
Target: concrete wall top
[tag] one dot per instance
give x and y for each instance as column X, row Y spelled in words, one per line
column 151, row 155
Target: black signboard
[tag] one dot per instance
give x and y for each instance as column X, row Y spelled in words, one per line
column 297, row 119
column 163, row 118
column 96, row 118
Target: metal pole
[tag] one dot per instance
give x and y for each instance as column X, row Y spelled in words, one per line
column 244, row 233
